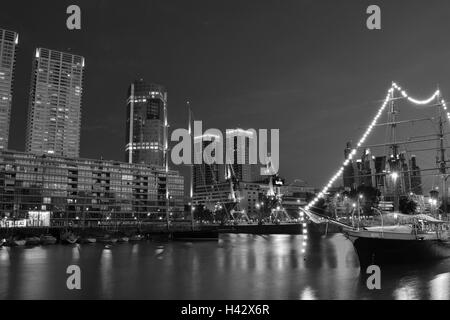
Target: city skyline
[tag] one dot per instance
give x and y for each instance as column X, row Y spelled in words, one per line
column 232, row 151
column 296, row 92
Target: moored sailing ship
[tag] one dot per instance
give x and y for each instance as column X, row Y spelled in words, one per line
column 423, row 234
column 421, row 238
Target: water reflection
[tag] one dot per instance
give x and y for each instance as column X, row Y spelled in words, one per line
column 75, row 253
column 307, row 294
column 106, row 273
column 235, row 267
column 439, row 287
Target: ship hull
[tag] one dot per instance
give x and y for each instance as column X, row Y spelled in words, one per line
column 379, row 251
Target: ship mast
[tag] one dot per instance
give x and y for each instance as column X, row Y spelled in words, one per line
column 441, row 160
column 191, row 170
column 394, row 151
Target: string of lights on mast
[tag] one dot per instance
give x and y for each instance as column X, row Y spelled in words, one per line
column 389, row 97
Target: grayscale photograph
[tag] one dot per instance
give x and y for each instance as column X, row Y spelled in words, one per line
column 224, row 156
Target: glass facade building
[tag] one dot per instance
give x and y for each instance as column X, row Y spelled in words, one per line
column 54, row 116
column 146, row 135
column 8, row 45
column 64, row 191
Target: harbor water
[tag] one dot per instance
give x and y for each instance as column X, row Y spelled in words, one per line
column 238, row 266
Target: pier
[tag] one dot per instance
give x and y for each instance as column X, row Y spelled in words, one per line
column 150, row 231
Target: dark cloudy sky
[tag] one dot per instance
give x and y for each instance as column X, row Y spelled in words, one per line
column 309, row 68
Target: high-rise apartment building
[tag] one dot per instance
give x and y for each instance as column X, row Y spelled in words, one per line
column 8, row 45
column 146, row 135
column 54, row 116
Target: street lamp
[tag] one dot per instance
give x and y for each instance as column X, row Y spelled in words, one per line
column 394, row 176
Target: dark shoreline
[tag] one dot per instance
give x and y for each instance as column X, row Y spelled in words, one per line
column 175, row 232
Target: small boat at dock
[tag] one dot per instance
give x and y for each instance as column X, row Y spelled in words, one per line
column 87, row 240
column 123, row 239
column 47, row 239
column 136, row 238
column 107, row 239
column 32, row 241
column 18, row 243
column 69, row 237
column 15, row 242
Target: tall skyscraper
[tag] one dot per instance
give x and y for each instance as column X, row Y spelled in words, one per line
column 146, row 136
column 54, row 115
column 8, row 44
column 206, row 175
column 239, row 142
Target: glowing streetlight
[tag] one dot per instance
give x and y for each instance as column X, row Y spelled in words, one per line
column 394, row 175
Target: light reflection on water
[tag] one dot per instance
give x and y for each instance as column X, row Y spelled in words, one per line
column 235, row 267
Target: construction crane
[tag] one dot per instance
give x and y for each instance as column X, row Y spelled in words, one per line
column 275, row 196
column 237, row 213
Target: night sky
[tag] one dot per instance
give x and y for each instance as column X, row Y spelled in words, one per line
column 310, row 68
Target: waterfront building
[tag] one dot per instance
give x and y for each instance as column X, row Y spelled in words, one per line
column 380, row 172
column 146, row 128
column 365, row 172
column 415, row 176
column 238, row 141
column 211, row 182
column 349, row 174
column 295, row 195
column 9, row 41
column 211, row 195
column 251, row 196
column 206, row 175
column 61, row 191
column 248, row 194
column 54, row 115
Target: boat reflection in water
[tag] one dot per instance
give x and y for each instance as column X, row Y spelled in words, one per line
column 237, row 266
